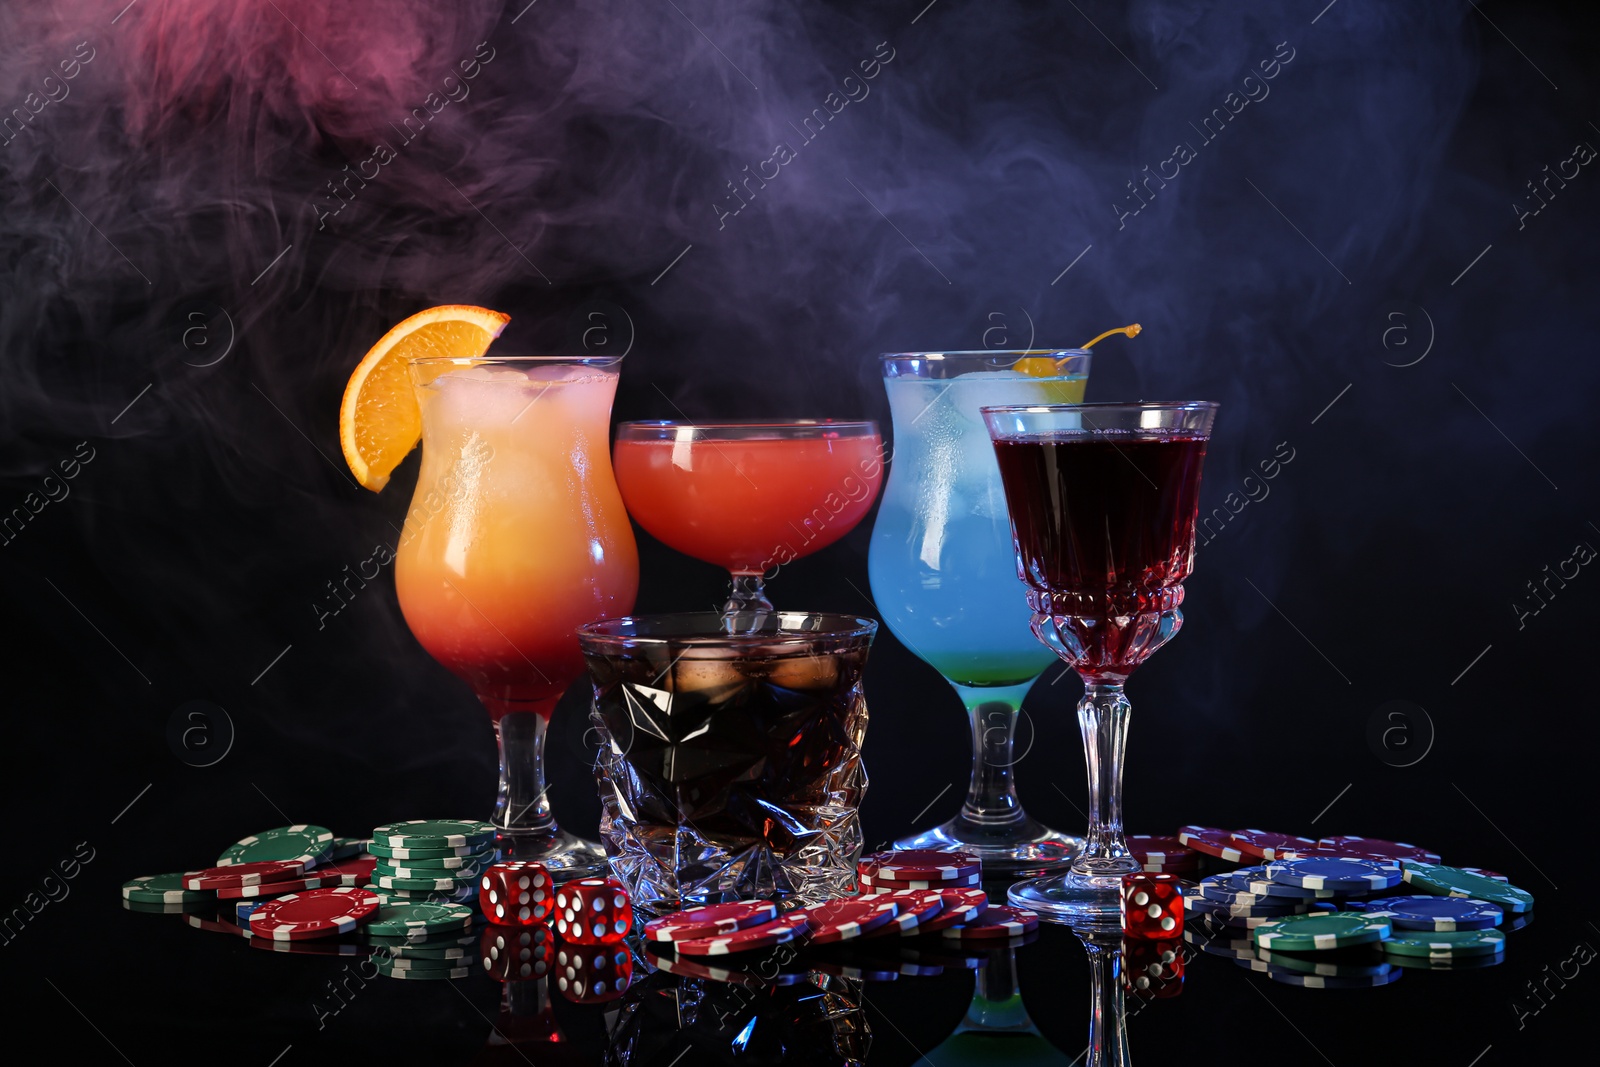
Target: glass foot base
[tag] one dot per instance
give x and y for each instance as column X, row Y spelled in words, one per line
column 1028, row 847
column 566, row 856
column 1089, row 902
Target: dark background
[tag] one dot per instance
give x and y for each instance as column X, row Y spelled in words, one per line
column 1345, row 267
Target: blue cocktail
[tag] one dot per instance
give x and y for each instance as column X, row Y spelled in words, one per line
column 944, row 575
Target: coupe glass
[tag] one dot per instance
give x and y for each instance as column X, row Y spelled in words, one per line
column 942, row 566
column 1103, row 500
column 517, row 536
column 749, row 496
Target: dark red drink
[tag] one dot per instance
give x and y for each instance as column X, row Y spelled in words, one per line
column 1104, row 529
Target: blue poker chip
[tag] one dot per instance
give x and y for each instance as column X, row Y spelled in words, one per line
column 245, row 907
column 1350, row 874
column 1234, row 887
column 1436, row 913
column 1265, row 887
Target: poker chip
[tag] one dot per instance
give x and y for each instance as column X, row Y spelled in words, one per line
column 1484, row 872
column 241, row 874
column 710, row 920
column 417, row 921
column 920, row 865
column 1264, row 844
column 998, row 922
column 1347, row 873
column 243, row 909
column 357, row 871
column 916, row 906
column 1344, row 968
column 302, row 842
column 319, row 880
column 314, row 913
column 1446, row 944
column 1517, row 922
column 421, row 885
column 878, row 885
column 1454, row 882
column 163, row 889
column 147, row 908
column 438, row 866
column 1156, row 851
column 1216, row 940
column 1266, row 888
column 440, row 877
column 413, row 854
column 434, row 833
column 1234, row 887
column 348, row 848
column 1318, row 933
column 1436, row 913
column 1377, row 848
column 467, row 893
column 1318, row 981
column 1211, row 841
column 961, row 906
column 779, row 931
column 849, row 917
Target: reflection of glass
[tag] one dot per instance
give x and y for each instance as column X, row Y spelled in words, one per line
column 1108, row 1017
column 943, row 576
column 730, row 763
column 516, row 535
column 749, row 496
column 997, row 1028
column 1103, row 500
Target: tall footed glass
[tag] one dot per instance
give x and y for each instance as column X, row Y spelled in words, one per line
column 517, row 536
column 1103, row 499
column 942, row 570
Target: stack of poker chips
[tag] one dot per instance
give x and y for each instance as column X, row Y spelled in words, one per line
column 431, row 860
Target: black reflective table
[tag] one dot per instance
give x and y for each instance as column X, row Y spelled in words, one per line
column 105, row 984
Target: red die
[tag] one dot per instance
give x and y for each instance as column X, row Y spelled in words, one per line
column 1152, row 969
column 1152, row 906
column 515, row 955
column 593, row 911
column 516, row 893
column 593, row 974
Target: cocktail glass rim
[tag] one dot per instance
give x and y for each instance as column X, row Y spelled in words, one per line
column 747, row 429
column 830, row 625
column 1129, row 405
column 472, row 361
column 1013, row 354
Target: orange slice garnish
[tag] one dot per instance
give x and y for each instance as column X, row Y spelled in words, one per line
column 379, row 421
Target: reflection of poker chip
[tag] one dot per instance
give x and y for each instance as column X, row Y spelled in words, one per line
column 302, row 842
column 1211, row 841
column 779, row 931
column 711, row 920
column 998, row 922
column 1453, row 963
column 1366, row 967
column 237, row 875
column 1317, row 981
column 147, row 908
column 390, row 970
column 919, row 864
column 860, row 970
column 762, row 974
column 318, row 947
column 200, row 922
column 1215, row 940
column 314, row 913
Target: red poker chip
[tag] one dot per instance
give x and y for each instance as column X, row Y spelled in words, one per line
column 920, row 865
column 318, row 879
column 997, row 922
column 1484, row 872
column 1211, row 841
column 848, row 918
column 961, row 906
column 315, row 913
column 891, row 885
column 779, row 931
column 1161, row 852
column 710, row 920
column 357, row 871
column 916, row 907
column 1267, row 845
column 240, row 874
column 1377, row 848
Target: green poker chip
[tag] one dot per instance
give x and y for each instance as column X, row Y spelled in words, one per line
column 1453, row 882
column 348, row 848
column 435, row 833
column 306, row 843
column 155, row 909
column 415, row 855
column 1445, row 944
column 417, row 920
column 467, row 894
column 438, row 866
column 421, row 885
column 1319, row 932
column 163, row 889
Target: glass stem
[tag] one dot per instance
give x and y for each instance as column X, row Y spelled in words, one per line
column 748, row 593
column 992, row 792
column 523, row 801
column 1103, row 716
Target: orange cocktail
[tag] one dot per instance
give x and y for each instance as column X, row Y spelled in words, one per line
column 749, row 496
